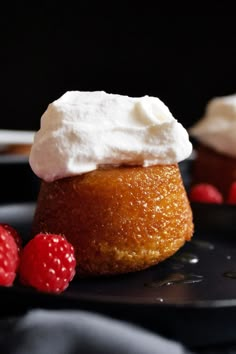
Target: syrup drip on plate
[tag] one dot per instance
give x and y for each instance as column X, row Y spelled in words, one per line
column 186, row 258
column 203, row 244
column 176, row 278
column 230, row 274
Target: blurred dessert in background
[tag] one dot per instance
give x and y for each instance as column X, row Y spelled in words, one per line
column 111, row 181
column 16, row 142
column 20, row 149
column 215, row 134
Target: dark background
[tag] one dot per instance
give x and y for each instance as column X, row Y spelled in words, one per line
column 46, row 51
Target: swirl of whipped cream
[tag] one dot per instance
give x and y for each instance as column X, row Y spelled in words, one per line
column 82, row 131
column 217, row 128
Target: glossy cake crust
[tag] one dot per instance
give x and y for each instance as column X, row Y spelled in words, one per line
column 118, row 219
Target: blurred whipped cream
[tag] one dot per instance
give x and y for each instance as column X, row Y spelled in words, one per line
column 82, row 131
column 217, row 128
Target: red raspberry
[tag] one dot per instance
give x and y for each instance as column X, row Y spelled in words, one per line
column 15, row 234
column 47, row 263
column 205, row 193
column 9, row 258
column 232, row 194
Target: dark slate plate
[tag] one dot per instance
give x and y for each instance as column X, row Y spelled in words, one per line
column 190, row 297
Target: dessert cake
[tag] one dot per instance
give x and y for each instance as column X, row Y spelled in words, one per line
column 215, row 161
column 110, row 180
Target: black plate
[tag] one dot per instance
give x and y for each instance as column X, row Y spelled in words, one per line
column 190, row 297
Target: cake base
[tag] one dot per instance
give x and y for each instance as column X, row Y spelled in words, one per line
column 118, row 219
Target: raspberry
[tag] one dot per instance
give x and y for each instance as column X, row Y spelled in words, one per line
column 232, row 194
column 14, row 234
column 9, row 258
column 47, row 263
column 205, row 193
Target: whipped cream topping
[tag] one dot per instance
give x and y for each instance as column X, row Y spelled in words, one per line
column 217, row 128
column 82, row 131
